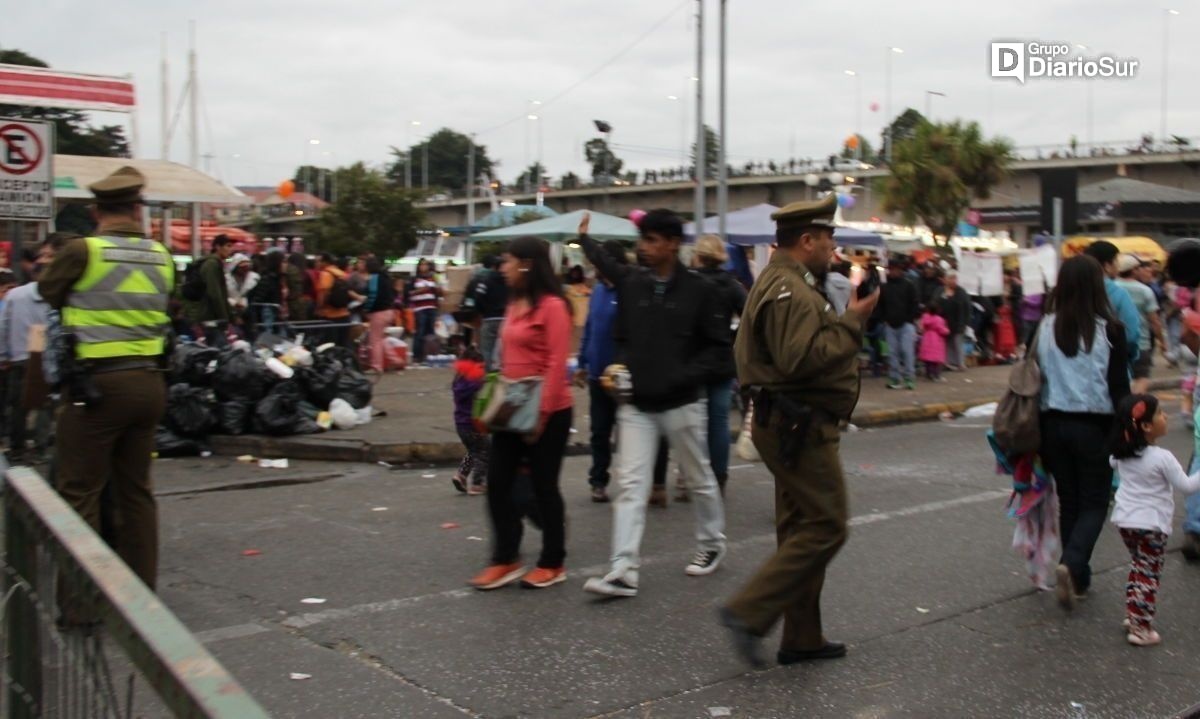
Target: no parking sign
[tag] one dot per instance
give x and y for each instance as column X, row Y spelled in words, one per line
column 26, row 170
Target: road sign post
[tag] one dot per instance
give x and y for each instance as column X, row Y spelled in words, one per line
column 26, row 178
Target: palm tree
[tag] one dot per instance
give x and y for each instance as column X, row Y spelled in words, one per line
column 940, row 169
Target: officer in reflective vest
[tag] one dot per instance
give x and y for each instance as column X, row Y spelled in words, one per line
column 112, row 289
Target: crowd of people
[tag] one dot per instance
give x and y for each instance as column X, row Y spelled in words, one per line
column 657, row 355
column 662, row 348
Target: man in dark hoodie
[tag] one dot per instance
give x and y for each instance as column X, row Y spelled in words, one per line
column 674, row 339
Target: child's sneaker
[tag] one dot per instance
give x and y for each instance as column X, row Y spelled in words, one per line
column 498, row 575
column 910, row 384
column 1143, row 637
column 460, row 483
column 477, row 489
column 894, row 384
column 542, row 577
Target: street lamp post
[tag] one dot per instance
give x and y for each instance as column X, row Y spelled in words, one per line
column 408, row 154
column 929, row 95
column 888, row 97
column 701, row 172
column 308, row 165
column 682, row 128
column 723, row 135
column 540, row 119
column 857, row 112
column 1167, row 13
column 1089, row 86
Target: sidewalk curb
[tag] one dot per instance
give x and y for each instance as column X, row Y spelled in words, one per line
column 326, row 448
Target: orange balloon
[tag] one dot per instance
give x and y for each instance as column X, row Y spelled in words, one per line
column 852, row 142
column 286, row 188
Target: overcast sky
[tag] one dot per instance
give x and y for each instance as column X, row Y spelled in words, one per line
column 355, row 74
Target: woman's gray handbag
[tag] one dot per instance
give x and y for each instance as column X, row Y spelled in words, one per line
column 514, row 406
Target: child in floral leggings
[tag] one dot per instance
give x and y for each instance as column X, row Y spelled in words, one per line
column 1144, row 506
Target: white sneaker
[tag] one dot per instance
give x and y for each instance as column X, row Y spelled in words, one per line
column 706, row 561
column 609, row 588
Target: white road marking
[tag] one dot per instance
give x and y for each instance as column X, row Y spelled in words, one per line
column 236, row 631
column 301, row 621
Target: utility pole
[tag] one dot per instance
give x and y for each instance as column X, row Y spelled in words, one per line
column 470, row 182
column 701, row 172
column 165, row 140
column 722, row 136
column 193, row 100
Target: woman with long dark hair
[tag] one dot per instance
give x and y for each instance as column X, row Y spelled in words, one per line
column 381, row 294
column 1082, row 354
column 534, row 342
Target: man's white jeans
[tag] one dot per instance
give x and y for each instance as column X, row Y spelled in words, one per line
column 638, row 432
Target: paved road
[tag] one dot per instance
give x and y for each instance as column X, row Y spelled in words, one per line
column 940, row 619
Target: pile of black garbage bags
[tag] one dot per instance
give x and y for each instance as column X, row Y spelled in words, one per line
column 242, row 390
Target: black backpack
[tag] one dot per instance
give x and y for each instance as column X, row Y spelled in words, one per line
column 339, row 294
column 193, row 281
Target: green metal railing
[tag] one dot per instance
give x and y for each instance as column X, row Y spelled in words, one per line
column 53, row 559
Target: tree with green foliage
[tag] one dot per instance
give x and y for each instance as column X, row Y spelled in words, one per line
column 370, row 214
column 317, row 181
column 605, row 165
column 863, row 151
column 938, row 170
column 447, row 161
column 72, row 133
column 535, row 173
column 569, row 181
column 903, row 127
column 711, row 151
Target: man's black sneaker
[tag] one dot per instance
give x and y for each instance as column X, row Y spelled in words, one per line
column 706, row 561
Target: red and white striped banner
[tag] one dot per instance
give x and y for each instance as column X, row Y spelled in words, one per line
column 21, row 85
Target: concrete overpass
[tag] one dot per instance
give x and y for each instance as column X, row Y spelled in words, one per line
column 1022, row 188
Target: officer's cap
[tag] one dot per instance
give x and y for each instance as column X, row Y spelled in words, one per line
column 122, row 187
column 818, row 213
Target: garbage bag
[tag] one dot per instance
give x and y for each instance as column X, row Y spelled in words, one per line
column 320, row 382
column 190, row 411
column 343, row 414
column 233, row 417
column 308, row 409
column 340, row 354
column 169, row 444
column 278, row 413
column 190, row 364
column 241, row 376
column 355, row 388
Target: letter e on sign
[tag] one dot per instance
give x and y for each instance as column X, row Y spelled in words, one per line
column 21, row 150
column 26, row 170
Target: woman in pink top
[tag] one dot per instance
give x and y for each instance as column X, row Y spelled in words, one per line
column 534, row 342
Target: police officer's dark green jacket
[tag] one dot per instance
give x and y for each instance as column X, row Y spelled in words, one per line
column 791, row 340
column 113, row 291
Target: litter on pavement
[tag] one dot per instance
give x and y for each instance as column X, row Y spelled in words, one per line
column 297, row 676
column 450, row 525
column 251, row 552
column 273, row 463
column 981, row 411
column 312, row 600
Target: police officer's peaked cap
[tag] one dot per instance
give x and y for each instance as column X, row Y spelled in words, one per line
column 120, row 188
column 817, row 213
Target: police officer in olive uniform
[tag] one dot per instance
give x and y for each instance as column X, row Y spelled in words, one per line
column 112, row 290
column 800, row 361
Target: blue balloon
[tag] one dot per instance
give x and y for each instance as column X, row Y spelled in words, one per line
column 845, row 201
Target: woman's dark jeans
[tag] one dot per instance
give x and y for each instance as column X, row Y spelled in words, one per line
column 1075, row 452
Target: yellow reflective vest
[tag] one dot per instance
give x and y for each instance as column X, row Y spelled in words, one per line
column 118, row 308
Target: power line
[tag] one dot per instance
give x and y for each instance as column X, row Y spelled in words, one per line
column 603, row 66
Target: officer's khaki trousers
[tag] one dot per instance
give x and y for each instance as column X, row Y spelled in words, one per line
column 112, row 443
column 810, row 526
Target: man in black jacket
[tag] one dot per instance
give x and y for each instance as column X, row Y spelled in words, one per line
column 899, row 307
column 674, row 338
column 490, row 298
